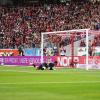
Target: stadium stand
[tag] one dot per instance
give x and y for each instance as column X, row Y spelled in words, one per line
column 22, row 26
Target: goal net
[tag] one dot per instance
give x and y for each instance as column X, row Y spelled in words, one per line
column 71, row 49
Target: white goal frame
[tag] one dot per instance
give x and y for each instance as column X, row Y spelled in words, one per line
column 57, row 32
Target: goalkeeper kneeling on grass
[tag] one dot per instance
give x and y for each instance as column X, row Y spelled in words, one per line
column 52, row 65
column 44, row 66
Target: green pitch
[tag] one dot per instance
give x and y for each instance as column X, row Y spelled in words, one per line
column 20, row 83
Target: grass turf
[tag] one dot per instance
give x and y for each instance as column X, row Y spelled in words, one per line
column 26, row 83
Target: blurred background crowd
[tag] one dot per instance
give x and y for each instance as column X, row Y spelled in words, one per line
column 21, row 23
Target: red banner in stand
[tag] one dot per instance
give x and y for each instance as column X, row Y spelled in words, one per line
column 9, row 52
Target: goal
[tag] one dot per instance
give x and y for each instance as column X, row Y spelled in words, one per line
column 71, row 48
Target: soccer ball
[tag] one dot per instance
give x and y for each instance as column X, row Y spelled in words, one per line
column 43, row 68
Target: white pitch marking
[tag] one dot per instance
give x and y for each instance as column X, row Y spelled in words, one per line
column 44, row 72
column 16, row 71
column 27, row 83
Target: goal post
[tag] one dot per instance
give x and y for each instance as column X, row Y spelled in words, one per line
column 71, row 34
column 87, row 30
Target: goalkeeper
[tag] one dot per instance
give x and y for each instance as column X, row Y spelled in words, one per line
column 52, row 65
column 44, row 66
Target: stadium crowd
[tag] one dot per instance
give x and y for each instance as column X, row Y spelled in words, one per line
column 23, row 25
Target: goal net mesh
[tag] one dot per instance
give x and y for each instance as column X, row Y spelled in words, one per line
column 71, row 49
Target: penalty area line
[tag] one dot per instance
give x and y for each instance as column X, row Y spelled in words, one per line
column 29, row 83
